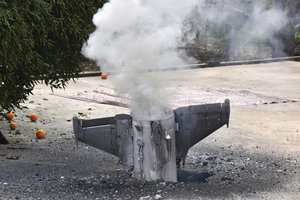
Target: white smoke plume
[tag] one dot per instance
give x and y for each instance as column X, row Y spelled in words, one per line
column 135, row 37
column 240, row 23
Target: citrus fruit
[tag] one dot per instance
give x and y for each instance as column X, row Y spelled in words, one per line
column 13, row 125
column 104, row 75
column 40, row 134
column 33, row 117
column 10, row 115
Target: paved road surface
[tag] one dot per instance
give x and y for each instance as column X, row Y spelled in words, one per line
column 256, row 158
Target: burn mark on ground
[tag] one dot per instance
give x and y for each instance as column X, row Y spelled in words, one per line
column 185, row 96
column 67, row 171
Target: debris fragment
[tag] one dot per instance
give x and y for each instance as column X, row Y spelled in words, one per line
column 227, row 179
column 12, row 157
column 146, row 198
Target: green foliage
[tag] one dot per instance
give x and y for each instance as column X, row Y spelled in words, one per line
column 40, row 40
column 297, row 37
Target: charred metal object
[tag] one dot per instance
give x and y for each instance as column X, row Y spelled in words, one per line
column 153, row 149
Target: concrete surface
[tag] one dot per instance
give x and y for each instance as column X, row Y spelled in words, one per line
column 256, row 158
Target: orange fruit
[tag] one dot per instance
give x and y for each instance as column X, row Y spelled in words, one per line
column 10, row 115
column 104, row 75
column 40, row 134
column 13, row 125
column 33, row 117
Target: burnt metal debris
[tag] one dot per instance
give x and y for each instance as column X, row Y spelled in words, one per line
column 153, row 149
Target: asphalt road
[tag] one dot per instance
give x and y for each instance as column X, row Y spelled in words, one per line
column 257, row 157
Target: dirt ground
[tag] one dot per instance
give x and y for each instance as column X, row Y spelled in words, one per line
column 257, row 157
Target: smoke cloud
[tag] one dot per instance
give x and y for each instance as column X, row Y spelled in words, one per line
column 135, row 37
column 235, row 24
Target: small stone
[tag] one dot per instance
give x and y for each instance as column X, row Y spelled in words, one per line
column 12, row 157
column 146, row 198
column 157, row 197
column 162, row 183
column 227, row 179
column 211, row 158
column 17, row 132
